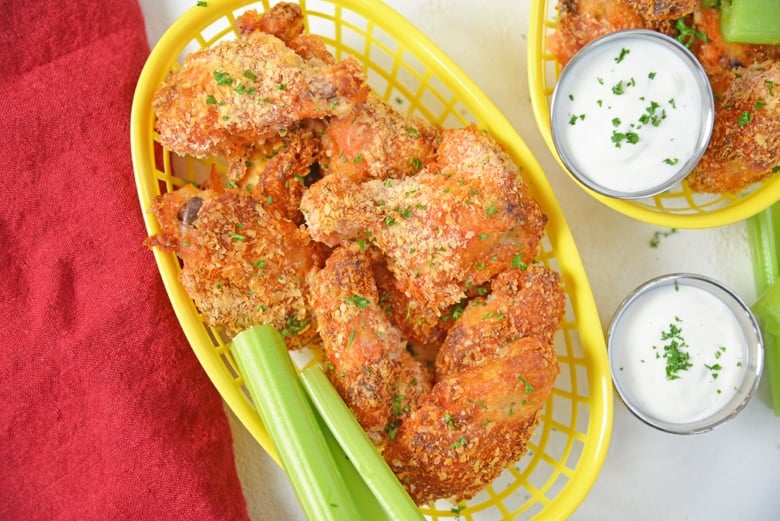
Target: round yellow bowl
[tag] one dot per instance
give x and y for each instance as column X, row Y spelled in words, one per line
column 678, row 207
column 403, row 66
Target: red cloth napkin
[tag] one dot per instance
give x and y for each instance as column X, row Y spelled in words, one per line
column 104, row 410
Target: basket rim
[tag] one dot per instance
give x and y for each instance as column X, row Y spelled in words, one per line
column 600, row 400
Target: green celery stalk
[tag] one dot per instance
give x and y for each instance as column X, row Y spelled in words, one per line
column 764, row 237
column 363, row 496
column 263, row 360
column 358, row 447
column 750, row 21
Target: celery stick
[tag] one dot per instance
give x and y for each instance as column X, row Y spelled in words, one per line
column 358, row 447
column 264, row 362
column 363, row 496
column 750, row 21
column 764, row 236
column 767, row 311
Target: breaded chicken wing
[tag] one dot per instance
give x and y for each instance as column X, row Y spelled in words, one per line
column 277, row 171
column 521, row 303
column 422, row 327
column 581, row 21
column 244, row 91
column 241, row 265
column 285, row 21
column 365, row 355
column 473, row 423
column 745, row 143
column 461, row 220
column 375, row 141
column 449, row 439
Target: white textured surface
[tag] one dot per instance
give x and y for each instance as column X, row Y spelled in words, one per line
column 730, row 473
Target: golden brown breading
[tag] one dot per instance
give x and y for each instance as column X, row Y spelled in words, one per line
column 662, row 10
column 422, row 327
column 582, row 21
column 278, row 170
column 365, row 356
column 473, row 423
column 521, row 303
column 284, row 20
column 241, row 265
column 452, row 438
column 375, row 141
column 745, row 143
column 242, row 91
column 454, row 225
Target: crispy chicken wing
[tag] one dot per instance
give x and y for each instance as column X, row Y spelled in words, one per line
column 581, row 21
column 473, row 423
column 277, row 171
column 521, row 303
column 365, row 355
column 450, row 439
column 375, row 141
column 285, row 21
column 494, row 372
column 423, row 328
column 745, row 143
column 243, row 91
column 241, row 265
column 461, row 220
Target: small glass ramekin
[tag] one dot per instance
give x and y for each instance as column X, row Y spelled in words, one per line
column 660, row 305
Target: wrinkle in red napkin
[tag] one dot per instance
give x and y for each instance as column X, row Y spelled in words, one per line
column 104, row 410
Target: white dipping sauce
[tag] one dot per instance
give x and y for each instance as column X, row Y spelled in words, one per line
column 629, row 114
column 663, row 322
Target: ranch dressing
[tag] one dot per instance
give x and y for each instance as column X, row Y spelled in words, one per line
column 678, row 353
column 629, row 114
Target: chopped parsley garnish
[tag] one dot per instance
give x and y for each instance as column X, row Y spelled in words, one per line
column 677, row 358
column 357, row 300
column 744, row 118
column 657, row 236
column 618, row 138
column 460, row 442
column 527, row 387
column 294, row 326
column 623, row 53
column 222, row 78
column 517, row 262
column 688, row 34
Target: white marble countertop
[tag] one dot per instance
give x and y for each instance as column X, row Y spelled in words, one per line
column 730, row 473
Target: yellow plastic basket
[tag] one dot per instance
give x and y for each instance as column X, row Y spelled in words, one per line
column 678, row 207
column 567, row 451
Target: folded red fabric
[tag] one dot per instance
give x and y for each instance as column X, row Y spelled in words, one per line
column 104, row 410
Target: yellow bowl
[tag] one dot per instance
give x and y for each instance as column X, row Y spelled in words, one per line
column 678, row 207
column 567, row 451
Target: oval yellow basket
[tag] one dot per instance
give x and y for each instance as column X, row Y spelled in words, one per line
column 678, row 207
column 568, row 449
